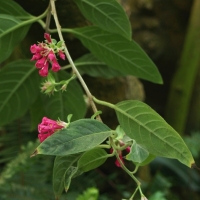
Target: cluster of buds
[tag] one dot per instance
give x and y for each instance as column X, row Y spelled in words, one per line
column 48, row 126
column 45, row 53
column 117, row 163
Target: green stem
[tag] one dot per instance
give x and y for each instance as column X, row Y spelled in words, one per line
column 126, row 170
column 54, row 13
column 25, row 23
column 134, row 193
column 104, row 146
column 104, row 103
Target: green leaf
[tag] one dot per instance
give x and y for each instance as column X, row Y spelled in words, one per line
column 81, row 135
column 61, row 104
column 108, row 15
column 62, row 165
column 137, row 153
column 11, row 33
column 68, row 176
column 90, row 65
column 151, row 131
column 37, row 112
column 146, row 161
column 12, row 8
column 92, row 159
column 18, row 89
column 89, row 194
column 118, row 52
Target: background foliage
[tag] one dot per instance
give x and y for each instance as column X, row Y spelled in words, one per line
column 22, row 106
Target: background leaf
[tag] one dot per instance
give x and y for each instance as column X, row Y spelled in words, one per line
column 108, row 15
column 90, row 65
column 81, row 135
column 92, row 159
column 118, row 52
column 11, row 33
column 150, row 130
column 61, row 104
column 12, row 8
column 18, row 89
column 61, row 165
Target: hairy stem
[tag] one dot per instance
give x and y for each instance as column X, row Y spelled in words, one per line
column 89, row 95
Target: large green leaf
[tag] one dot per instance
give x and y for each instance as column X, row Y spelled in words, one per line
column 61, row 104
column 62, row 165
column 11, row 33
column 92, row 159
column 12, row 8
column 137, row 153
column 118, row 52
column 81, row 135
column 18, row 89
column 90, row 65
column 150, row 131
column 107, row 14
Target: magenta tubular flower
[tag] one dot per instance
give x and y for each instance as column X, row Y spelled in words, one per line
column 44, row 70
column 61, row 54
column 51, row 56
column 44, row 53
column 47, row 127
column 47, row 37
column 55, row 66
column 41, row 62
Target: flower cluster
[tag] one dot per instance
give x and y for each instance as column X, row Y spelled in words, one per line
column 45, row 53
column 117, row 163
column 48, row 127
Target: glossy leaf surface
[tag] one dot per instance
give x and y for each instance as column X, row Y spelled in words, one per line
column 118, row 52
column 92, row 159
column 81, row 135
column 18, row 81
column 108, row 15
column 150, row 130
column 90, row 65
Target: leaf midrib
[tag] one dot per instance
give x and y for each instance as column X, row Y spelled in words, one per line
column 16, row 87
column 107, row 16
column 145, row 127
column 110, row 50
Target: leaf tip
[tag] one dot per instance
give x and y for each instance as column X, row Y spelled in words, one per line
column 34, row 153
column 193, row 165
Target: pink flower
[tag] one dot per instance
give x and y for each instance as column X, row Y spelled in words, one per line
column 36, row 56
column 44, row 70
column 55, row 66
column 48, row 127
column 40, row 63
column 44, row 53
column 51, row 56
column 61, row 54
column 117, row 163
column 47, row 37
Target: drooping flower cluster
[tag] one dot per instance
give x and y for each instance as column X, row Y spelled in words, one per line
column 45, row 53
column 48, row 126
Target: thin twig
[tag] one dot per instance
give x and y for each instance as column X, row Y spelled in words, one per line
column 54, row 13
